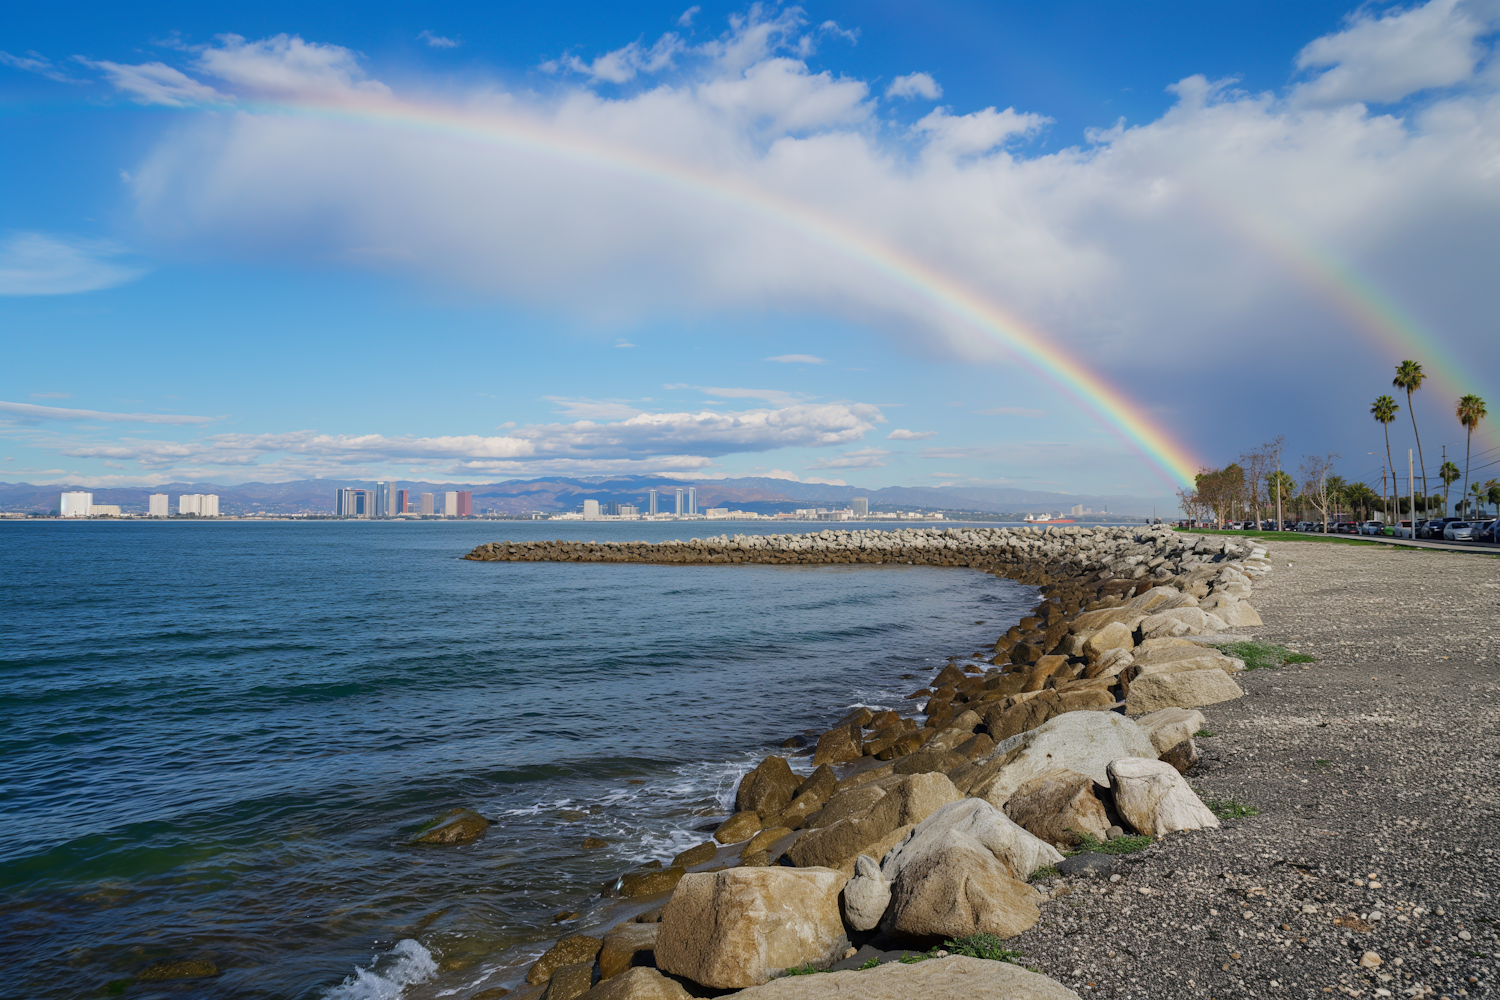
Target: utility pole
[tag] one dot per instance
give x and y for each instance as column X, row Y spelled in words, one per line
column 1325, row 501
column 1279, row 522
column 1412, row 491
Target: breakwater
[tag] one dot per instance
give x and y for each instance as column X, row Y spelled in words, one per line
column 921, row 826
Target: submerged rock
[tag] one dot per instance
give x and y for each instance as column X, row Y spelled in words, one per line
column 177, row 968
column 456, row 826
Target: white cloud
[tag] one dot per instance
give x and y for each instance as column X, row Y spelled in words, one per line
column 862, row 458
column 35, row 62
column 34, row 412
column 41, row 264
column 703, row 191
column 798, row 359
column 914, row 85
column 623, row 64
column 594, row 409
column 157, row 83
column 686, row 18
column 905, row 435
column 1385, row 57
column 775, row 397
column 287, row 66
column 51, row 395
column 438, row 41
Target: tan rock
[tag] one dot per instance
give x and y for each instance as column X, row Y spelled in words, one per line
column 740, row 826
column 820, row 783
column 980, row 823
column 955, row 887
column 1154, row 798
column 1060, row 807
column 1080, row 741
column 1113, row 636
column 570, row 981
column 840, row 745
column 853, row 802
column 1168, row 727
column 796, row 815
column 906, row 801
column 1046, row 668
column 578, row 948
column 740, row 927
column 866, row 895
column 622, row 944
column 956, row 732
column 696, row 855
column 953, row 978
column 1184, row 756
column 763, row 840
column 928, row 760
column 650, row 882
column 638, row 984
column 767, row 789
column 1184, row 689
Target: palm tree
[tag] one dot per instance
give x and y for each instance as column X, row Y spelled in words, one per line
column 1409, row 377
column 1449, row 474
column 1384, row 411
column 1492, row 494
column 1479, row 499
column 1470, row 411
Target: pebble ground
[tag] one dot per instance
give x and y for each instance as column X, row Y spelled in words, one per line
column 1371, row 867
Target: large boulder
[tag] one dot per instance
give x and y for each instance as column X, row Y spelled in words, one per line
column 866, row 895
column 638, row 984
column 987, row 827
column 1112, row 636
column 1168, row 727
column 840, row 745
column 953, row 978
column 740, row 826
column 739, row 927
column 578, row 948
column 622, row 944
column 768, row 789
column 1059, row 807
column 1154, row 798
column 954, row 886
column 569, row 982
column 906, row 800
column 1080, row 741
column 1180, row 689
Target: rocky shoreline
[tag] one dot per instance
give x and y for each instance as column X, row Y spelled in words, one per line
column 922, row 832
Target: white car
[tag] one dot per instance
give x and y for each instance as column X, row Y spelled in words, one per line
column 1458, row 531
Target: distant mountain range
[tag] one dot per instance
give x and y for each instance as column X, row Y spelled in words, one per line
column 556, row 494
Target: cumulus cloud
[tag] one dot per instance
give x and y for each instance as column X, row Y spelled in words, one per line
column 798, row 359
column 32, row 411
column 43, row 264
column 1385, row 57
column 623, row 64
column 738, row 178
column 914, row 85
column 156, row 83
column 686, row 18
column 905, row 435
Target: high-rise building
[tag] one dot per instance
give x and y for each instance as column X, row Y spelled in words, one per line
column 75, row 504
column 382, row 504
column 692, row 500
column 429, row 505
column 652, row 501
column 627, row 510
column 202, row 504
column 158, row 505
column 354, row 503
column 679, row 511
column 591, row 510
column 861, row 506
column 465, row 503
column 450, row 504
column 402, row 502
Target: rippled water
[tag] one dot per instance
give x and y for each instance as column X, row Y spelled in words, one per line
column 216, row 737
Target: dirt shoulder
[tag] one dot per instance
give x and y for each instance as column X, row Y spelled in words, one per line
column 1373, row 770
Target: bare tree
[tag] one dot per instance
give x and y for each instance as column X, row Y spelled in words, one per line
column 1315, row 471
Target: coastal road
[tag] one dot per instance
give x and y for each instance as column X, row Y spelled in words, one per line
column 1370, row 867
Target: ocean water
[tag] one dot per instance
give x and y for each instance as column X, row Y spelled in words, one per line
column 216, row 738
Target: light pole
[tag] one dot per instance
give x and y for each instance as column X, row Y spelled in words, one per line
column 1383, row 502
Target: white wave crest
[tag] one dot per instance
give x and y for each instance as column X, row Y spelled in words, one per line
column 385, row 978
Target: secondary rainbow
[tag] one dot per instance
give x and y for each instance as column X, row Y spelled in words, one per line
column 1113, row 409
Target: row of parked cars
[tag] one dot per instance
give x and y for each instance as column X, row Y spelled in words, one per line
column 1452, row 529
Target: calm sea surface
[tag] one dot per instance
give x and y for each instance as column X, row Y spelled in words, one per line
column 216, row 737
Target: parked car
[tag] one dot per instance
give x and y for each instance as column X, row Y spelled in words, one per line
column 1370, row 527
column 1484, row 531
column 1437, row 526
column 1458, row 531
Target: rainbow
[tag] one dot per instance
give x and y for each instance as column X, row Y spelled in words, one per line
column 989, row 324
column 1367, row 309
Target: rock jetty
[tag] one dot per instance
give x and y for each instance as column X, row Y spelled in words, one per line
column 919, row 831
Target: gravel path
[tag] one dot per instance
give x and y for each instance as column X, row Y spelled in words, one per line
column 1373, row 770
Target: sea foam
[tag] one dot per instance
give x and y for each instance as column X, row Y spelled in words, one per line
column 384, row 979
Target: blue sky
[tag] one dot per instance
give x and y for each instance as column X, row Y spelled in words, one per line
column 211, row 270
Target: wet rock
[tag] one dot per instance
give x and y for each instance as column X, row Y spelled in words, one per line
column 740, row 927
column 839, row 745
column 578, row 948
column 594, row 843
column 568, row 982
column 565, row 916
column 1060, row 807
column 622, row 944
column 456, row 826
column 1154, row 798
column 650, row 882
column 696, row 855
column 177, row 968
column 493, row 993
column 740, row 826
column 763, row 840
column 953, row 978
column 767, row 789
column 638, row 984
column 1090, row 864
column 820, row 783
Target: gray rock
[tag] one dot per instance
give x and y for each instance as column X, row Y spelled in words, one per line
column 1091, row 864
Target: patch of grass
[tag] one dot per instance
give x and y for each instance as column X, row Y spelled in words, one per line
column 1286, row 536
column 1323, row 763
column 1261, row 655
column 870, row 964
column 981, row 946
column 912, row 958
column 1046, row 871
column 1230, row 808
column 1204, row 734
column 1128, row 844
column 805, row 969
